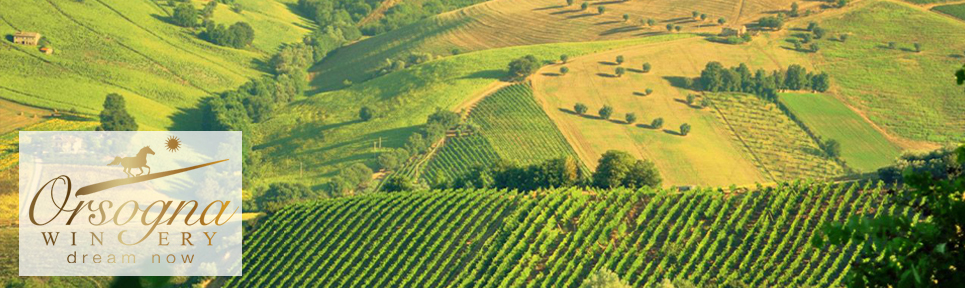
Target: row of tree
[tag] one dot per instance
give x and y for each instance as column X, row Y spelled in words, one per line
column 716, row 78
column 614, row 169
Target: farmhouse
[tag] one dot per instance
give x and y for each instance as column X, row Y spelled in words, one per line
column 735, row 31
column 26, row 38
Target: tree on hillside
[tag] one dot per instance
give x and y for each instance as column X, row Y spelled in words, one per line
column 721, row 21
column 842, row 3
column 703, row 17
column 603, row 279
column 626, row 17
column 695, row 15
column 521, row 68
column 798, row 46
column 646, row 67
column 580, row 108
column 772, row 22
column 619, row 59
column 398, row 183
column 690, row 99
column 812, row 25
column 684, row 129
column 819, row 32
column 648, row 91
column 584, row 6
column 619, row 71
column 843, row 37
column 815, row 47
column 821, row 82
column 651, row 22
column 114, row 117
column 657, row 123
column 960, row 76
column 631, row 118
column 569, row 2
column 564, row 70
column 279, row 195
column 185, row 16
column 600, row 9
column 392, row 159
column 922, row 247
column 917, row 47
column 796, row 77
column 669, row 27
column 794, row 10
column 678, row 28
column 832, row 148
column 564, row 58
column 892, row 45
column 606, row 112
column 619, row 169
column 366, row 113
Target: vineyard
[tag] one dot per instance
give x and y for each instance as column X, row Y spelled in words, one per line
column 479, row 238
column 780, row 147
column 509, row 125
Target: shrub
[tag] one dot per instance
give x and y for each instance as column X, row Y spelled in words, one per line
column 600, row 9
column 690, row 99
column 657, row 123
column 584, row 6
column 521, row 68
column 892, row 45
column 812, row 25
column 646, row 67
column 705, row 102
column 721, row 20
column 185, row 16
column 564, row 70
column 619, row 71
column 917, row 47
column 684, row 129
column 366, row 113
column 626, row 17
column 569, row 2
column 678, row 28
column 398, row 183
column 631, row 118
column 619, row 59
column 564, row 58
column 843, row 37
column 606, row 112
column 815, row 47
column 819, row 32
column 580, row 108
column 648, row 91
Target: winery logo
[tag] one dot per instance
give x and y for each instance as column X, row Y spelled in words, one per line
column 182, row 220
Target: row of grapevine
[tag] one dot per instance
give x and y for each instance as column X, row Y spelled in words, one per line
column 510, row 125
column 481, row 238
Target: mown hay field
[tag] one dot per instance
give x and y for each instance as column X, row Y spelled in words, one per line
column 708, row 156
column 504, row 23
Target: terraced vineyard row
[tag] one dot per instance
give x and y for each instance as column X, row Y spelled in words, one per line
column 510, row 125
column 781, row 148
column 479, row 238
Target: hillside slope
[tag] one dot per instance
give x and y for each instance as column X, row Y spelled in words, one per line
column 504, row 23
column 556, row 238
column 125, row 47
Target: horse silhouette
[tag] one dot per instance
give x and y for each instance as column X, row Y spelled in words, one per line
column 139, row 162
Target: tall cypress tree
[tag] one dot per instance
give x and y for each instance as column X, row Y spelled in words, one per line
column 114, row 117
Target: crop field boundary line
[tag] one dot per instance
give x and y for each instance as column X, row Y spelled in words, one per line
column 119, row 43
column 743, row 143
column 218, row 63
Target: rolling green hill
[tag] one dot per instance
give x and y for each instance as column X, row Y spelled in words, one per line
column 557, row 238
column 126, row 47
column 309, row 140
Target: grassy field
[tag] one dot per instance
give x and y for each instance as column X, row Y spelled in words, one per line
column 862, row 146
column 910, row 94
column 14, row 115
column 511, row 126
column 956, row 10
column 781, row 149
column 556, row 239
column 504, row 23
column 322, row 134
column 125, row 47
column 708, row 156
column 274, row 22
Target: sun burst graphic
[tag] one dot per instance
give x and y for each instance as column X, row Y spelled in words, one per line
column 173, row 144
